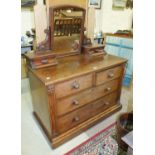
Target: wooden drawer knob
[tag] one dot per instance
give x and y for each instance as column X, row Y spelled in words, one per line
column 75, row 85
column 76, row 119
column 110, row 75
column 108, row 89
column 75, row 102
column 106, row 103
column 44, row 61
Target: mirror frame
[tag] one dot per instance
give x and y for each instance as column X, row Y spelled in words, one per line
column 51, row 26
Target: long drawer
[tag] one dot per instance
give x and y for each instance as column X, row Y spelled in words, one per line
column 78, row 116
column 75, row 101
column 72, row 86
column 109, row 74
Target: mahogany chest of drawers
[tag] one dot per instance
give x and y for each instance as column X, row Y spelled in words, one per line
column 75, row 95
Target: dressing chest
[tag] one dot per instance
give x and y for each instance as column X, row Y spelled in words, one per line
column 73, row 96
column 75, row 92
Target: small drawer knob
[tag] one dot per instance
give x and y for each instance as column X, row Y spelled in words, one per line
column 108, row 89
column 106, row 103
column 75, row 102
column 110, row 75
column 75, row 85
column 44, row 61
column 76, row 119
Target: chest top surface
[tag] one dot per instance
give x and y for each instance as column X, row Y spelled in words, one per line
column 74, row 66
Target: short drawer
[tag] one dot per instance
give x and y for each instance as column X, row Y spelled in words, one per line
column 76, row 117
column 107, row 75
column 73, row 102
column 42, row 62
column 72, row 86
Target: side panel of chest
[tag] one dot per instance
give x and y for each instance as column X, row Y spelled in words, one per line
column 40, row 103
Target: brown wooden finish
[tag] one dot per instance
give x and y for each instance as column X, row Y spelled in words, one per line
column 73, row 86
column 40, row 60
column 57, row 141
column 51, row 19
column 40, row 102
column 45, row 48
column 76, row 117
column 93, row 50
column 60, row 139
column 43, row 62
column 105, row 102
column 129, row 35
column 107, row 75
column 75, row 101
column 46, row 44
column 121, row 82
column 52, row 107
column 76, row 94
column 74, row 66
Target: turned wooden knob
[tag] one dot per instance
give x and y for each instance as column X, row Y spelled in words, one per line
column 75, row 85
column 110, row 75
column 44, row 61
column 76, row 119
column 106, row 103
column 108, row 89
column 75, row 102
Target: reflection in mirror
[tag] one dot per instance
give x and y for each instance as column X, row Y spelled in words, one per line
column 67, row 29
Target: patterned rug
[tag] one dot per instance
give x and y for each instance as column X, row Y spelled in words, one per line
column 102, row 143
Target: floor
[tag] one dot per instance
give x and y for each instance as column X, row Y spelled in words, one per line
column 33, row 139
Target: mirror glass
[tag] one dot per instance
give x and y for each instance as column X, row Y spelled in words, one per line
column 67, row 24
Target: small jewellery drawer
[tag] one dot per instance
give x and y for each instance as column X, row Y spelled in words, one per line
column 107, row 75
column 73, row 102
column 72, row 86
column 74, row 118
column 37, row 63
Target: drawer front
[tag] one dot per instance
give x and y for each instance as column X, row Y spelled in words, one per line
column 73, row 102
column 73, row 86
column 107, row 75
column 105, row 103
column 76, row 117
column 41, row 63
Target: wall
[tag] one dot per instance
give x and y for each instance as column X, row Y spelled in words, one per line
column 109, row 20
column 27, row 18
column 27, row 14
